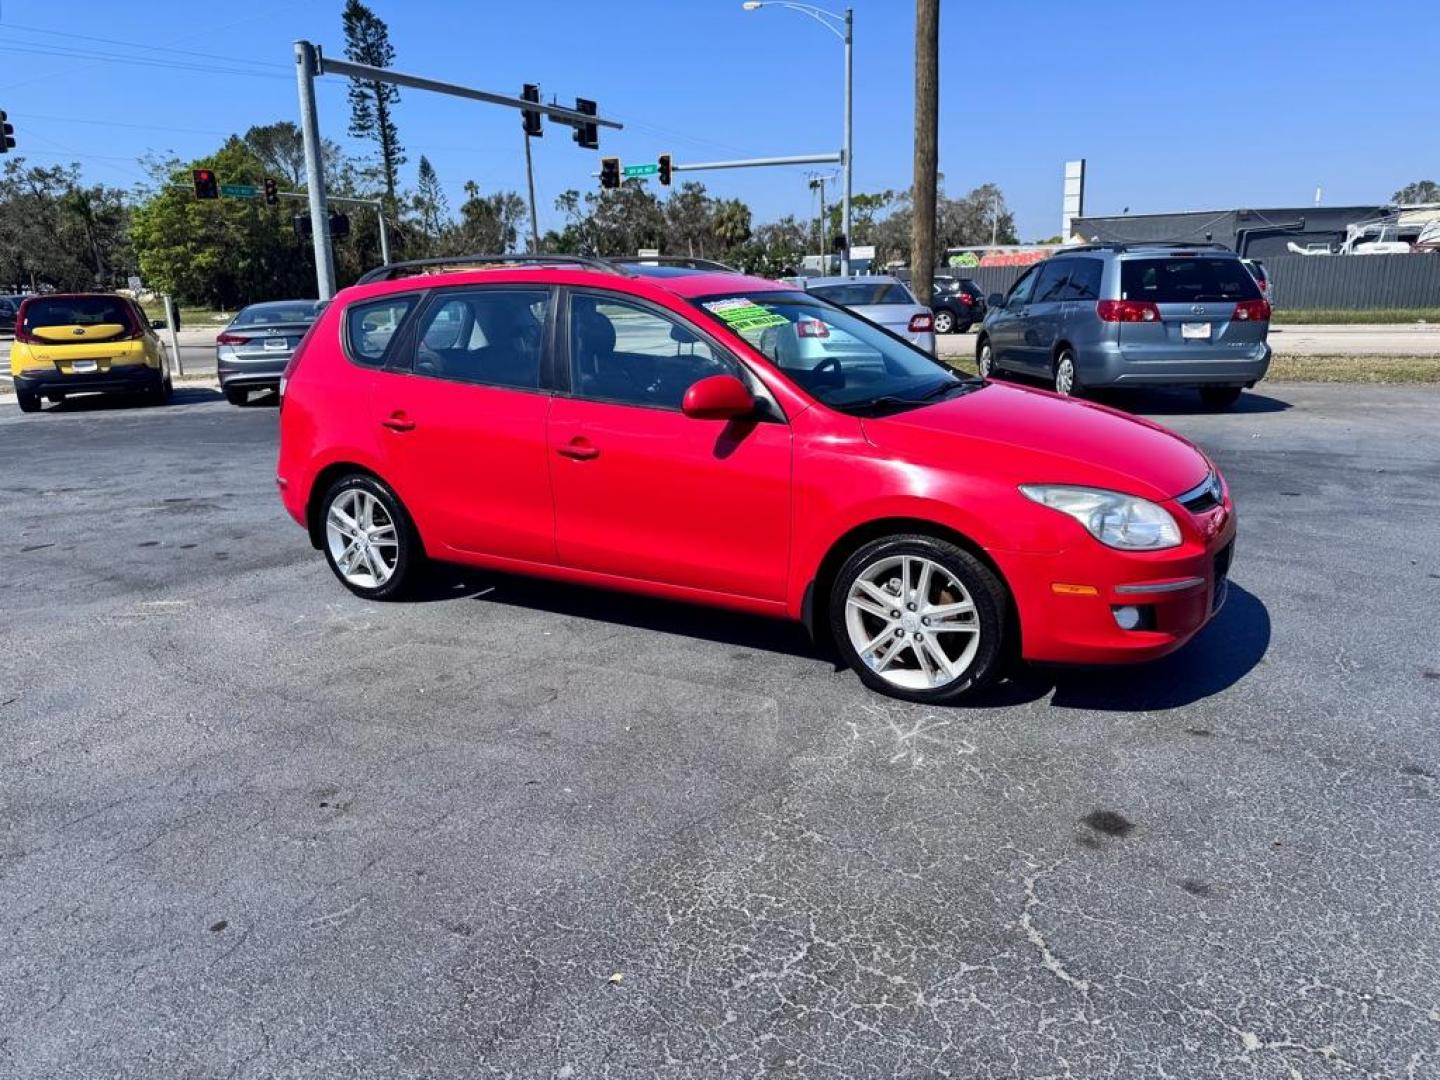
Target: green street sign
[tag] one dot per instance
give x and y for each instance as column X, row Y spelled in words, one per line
column 648, row 169
column 239, row 191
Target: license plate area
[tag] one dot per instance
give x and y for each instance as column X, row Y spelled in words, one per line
column 276, row 344
column 84, row 367
column 1195, row 331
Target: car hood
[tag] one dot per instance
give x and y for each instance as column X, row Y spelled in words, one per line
column 1033, row 436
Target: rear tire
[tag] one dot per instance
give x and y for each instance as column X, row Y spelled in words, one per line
column 1219, row 397
column 1066, row 382
column 947, row 635
column 944, row 322
column 360, row 508
column 28, row 402
column 236, row 396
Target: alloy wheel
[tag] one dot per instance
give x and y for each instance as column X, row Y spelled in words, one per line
column 985, row 364
column 912, row 622
column 362, row 538
column 944, row 322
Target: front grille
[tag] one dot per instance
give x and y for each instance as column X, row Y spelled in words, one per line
column 1200, row 499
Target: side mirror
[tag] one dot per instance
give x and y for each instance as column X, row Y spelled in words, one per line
column 157, row 324
column 719, row 397
column 995, row 300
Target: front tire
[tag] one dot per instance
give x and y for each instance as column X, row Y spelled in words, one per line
column 28, row 402
column 985, row 359
column 919, row 619
column 944, row 322
column 368, row 538
column 1219, row 397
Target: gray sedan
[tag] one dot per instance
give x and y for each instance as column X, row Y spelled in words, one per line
column 881, row 299
column 251, row 353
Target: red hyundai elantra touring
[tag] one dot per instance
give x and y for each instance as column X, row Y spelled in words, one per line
column 693, row 433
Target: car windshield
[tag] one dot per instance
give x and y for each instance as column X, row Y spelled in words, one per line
column 835, row 356
column 860, row 293
column 1186, row 278
column 276, row 314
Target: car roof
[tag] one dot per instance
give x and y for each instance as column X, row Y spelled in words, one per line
column 684, row 285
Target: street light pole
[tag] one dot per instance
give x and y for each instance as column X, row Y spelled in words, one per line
column 829, row 20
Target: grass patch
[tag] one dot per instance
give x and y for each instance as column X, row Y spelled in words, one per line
column 1342, row 316
column 1355, row 369
column 191, row 318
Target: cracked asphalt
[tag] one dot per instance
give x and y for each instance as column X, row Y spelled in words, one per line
column 251, row 826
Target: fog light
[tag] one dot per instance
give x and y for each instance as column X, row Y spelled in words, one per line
column 1128, row 617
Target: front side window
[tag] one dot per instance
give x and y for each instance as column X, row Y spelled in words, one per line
column 835, row 356
column 1020, row 291
column 631, row 355
column 370, row 327
column 1186, row 278
column 490, row 336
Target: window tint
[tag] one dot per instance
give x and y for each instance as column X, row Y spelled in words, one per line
column 1020, row 291
column 490, row 336
column 627, row 353
column 78, row 311
column 859, row 293
column 369, row 327
column 1084, row 283
column 306, row 311
column 1051, row 283
column 1186, row 278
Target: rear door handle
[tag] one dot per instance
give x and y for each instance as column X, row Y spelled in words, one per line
column 398, row 423
column 579, row 450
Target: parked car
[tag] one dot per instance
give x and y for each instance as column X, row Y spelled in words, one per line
column 649, row 429
column 881, row 299
column 957, row 303
column 1132, row 315
column 80, row 343
column 9, row 309
column 251, row 353
column 1257, row 271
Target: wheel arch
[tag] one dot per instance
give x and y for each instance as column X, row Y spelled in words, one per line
column 332, row 472
column 815, row 606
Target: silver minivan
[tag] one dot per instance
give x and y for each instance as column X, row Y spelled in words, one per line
column 1114, row 315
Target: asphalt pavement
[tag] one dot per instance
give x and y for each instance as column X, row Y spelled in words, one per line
column 256, row 827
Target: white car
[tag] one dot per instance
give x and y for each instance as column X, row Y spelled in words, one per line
column 881, row 299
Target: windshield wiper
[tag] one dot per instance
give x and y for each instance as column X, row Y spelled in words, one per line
column 896, row 401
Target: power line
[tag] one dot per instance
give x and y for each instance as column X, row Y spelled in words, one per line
column 70, row 35
column 141, row 61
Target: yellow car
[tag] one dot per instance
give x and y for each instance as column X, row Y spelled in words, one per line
column 81, row 343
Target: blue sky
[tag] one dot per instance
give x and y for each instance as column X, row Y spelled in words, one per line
column 1174, row 106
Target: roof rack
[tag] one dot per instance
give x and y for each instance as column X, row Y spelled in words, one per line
column 390, row 271
column 673, row 260
column 1131, row 245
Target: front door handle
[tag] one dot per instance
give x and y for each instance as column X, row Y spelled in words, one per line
column 398, row 422
column 579, row 450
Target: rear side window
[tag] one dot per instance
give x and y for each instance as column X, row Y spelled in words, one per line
column 1186, row 278
column 79, row 311
column 860, row 293
column 370, row 327
column 494, row 337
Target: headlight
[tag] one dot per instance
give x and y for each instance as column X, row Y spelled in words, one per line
column 1116, row 520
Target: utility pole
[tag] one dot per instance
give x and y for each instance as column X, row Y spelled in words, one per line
column 530, row 182
column 306, row 68
column 994, row 218
column 849, row 131
column 927, row 117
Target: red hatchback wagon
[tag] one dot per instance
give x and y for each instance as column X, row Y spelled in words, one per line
column 678, row 429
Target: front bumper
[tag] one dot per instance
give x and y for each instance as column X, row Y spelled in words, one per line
column 1067, row 600
column 119, row 378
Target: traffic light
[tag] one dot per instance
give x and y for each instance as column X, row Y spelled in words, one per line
column 272, row 191
column 610, row 172
column 206, row 186
column 587, row 135
column 7, row 133
column 531, row 117
column 339, row 225
column 837, row 244
column 665, row 168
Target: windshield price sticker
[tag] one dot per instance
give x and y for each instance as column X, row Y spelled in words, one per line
column 740, row 314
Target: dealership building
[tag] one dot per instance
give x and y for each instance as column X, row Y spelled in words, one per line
column 1253, row 233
